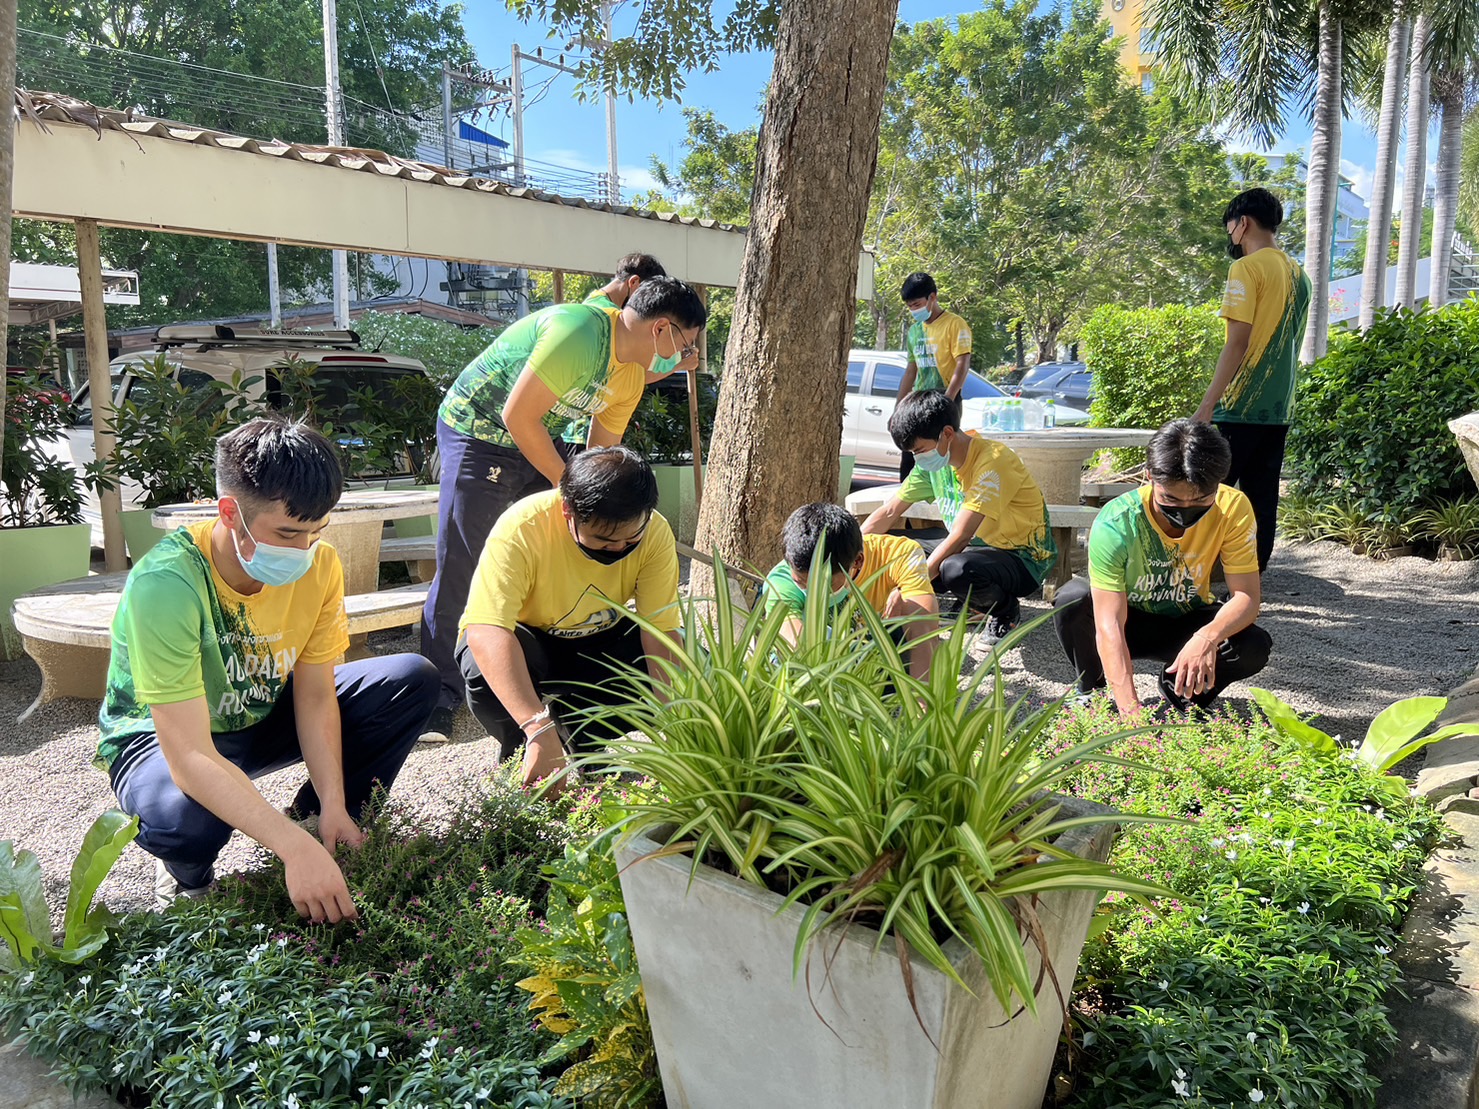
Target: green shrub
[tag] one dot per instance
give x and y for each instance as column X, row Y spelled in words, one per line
column 1150, row 365
column 1264, row 979
column 444, row 348
column 1371, row 417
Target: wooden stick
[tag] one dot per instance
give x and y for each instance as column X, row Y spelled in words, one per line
column 100, row 384
column 559, row 286
column 697, row 435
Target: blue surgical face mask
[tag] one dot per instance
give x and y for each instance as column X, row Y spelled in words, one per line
column 932, row 462
column 273, row 565
column 660, row 365
column 920, row 314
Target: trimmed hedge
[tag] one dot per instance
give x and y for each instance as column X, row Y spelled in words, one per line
column 1371, row 417
column 1150, row 365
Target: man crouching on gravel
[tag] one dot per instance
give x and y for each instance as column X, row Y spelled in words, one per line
column 223, row 670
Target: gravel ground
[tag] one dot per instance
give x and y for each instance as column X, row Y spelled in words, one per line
column 1350, row 636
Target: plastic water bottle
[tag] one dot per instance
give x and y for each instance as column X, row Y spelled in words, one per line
column 1049, row 414
column 1017, row 424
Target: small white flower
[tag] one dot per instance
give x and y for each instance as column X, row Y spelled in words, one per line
column 259, row 927
column 426, row 1052
column 1318, row 822
column 164, row 994
column 1255, row 1095
column 1180, row 1089
column 137, row 1010
column 84, row 980
column 251, row 1068
column 1232, row 856
column 363, row 1090
column 292, row 1102
column 1163, row 985
column 382, row 1053
column 1304, row 908
column 282, row 942
column 1252, row 1037
column 273, row 1040
column 1380, row 950
column 118, row 1067
column 1180, row 1073
column 1218, row 844
column 1203, row 918
column 254, row 1037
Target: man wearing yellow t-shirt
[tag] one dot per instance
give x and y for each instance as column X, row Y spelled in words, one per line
column 999, row 546
column 546, row 617
column 1251, row 397
column 571, row 375
column 1149, row 594
column 889, row 570
column 939, row 346
column 224, row 668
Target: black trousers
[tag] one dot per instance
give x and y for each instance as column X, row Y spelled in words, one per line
column 1155, row 637
column 1257, row 460
column 985, row 578
column 574, row 673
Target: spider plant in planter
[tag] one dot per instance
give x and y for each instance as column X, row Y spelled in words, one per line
column 851, row 887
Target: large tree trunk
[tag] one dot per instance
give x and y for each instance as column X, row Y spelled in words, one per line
column 1383, row 185
column 779, row 424
column 1321, row 185
column 1449, row 93
column 1409, row 245
column 7, row 177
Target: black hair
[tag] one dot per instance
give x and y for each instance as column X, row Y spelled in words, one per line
column 922, row 415
column 1185, row 450
column 667, row 296
column 644, row 266
column 1262, row 206
column 610, row 485
column 273, row 460
column 916, row 286
column 829, row 526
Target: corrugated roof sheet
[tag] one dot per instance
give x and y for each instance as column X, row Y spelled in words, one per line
column 44, row 107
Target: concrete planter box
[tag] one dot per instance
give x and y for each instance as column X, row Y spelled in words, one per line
column 32, row 558
column 733, row 1029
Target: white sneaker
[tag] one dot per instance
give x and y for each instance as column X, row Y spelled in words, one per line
column 166, row 889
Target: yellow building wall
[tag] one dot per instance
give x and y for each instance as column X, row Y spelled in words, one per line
column 1125, row 17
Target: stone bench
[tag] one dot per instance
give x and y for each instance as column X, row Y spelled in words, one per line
column 418, row 552
column 67, row 629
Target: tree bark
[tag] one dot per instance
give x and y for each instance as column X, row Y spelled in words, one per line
column 1379, row 227
column 1321, row 185
column 7, row 178
column 1449, row 89
column 779, row 424
column 1409, row 245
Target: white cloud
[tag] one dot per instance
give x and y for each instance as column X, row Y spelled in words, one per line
column 1360, row 177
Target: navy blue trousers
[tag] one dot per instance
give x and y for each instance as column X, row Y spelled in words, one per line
column 384, row 703
column 479, row 481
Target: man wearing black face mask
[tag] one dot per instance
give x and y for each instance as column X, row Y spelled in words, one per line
column 1151, row 553
column 546, row 615
column 1251, row 398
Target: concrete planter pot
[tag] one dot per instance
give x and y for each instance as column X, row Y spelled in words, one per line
column 734, row 1029
column 32, row 558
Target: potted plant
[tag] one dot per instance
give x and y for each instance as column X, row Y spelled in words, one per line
column 851, row 888
column 42, row 537
column 1455, row 527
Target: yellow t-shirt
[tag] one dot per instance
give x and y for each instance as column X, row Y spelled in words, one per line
column 994, row 482
column 531, row 572
column 1130, row 554
column 889, row 562
column 934, row 348
column 1268, row 291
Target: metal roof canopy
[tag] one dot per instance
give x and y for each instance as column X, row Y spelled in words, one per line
column 124, row 171
column 39, row 293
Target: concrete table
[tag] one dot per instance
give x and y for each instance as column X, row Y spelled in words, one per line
column 862, row 503
column 1056, row 458
column 354, row 527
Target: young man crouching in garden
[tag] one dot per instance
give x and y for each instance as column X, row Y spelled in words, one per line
column 889, row 571
column 1151, row 553
column 546, row 615
column 223, row 670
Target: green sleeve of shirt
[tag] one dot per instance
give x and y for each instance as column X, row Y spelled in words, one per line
column 1108, row 557
column 162, row 618
column 781, row 590
column 568, row 355
column 917, row 487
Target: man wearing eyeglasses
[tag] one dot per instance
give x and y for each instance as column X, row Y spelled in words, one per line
column 1149, row 594
column 566, row 377
column 546, row 625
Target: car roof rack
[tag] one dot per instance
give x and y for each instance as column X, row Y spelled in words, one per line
column 217, row 334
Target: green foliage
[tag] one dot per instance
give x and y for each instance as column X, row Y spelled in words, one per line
column 826, row 773
column 36, row 487
column 1150, row 365
column 1454, row 524
column 1286, row 181
column 25, row 919
column 1372, row 415
column 443, row 348
column 661, row 429
column 586, row 986
column 1267, row 972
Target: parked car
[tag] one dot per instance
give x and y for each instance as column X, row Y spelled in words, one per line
column 873, row 378
column 200, row 354
column 1042, row 381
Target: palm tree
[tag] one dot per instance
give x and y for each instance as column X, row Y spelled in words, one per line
column 1449, row 88
column 1417, row 165
column 1379, row 228
column 1323, row 183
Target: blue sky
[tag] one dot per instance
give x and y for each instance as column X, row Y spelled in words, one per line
column 559, row 129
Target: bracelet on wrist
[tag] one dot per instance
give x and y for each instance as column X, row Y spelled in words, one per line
column 537, row 732
column 541, row 715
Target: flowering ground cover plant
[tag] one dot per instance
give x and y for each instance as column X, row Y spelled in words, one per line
column 1262, row 983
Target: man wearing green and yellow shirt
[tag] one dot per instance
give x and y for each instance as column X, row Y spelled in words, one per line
column 1251, row 398
column 1149, row 594
column 889, row 570
column 631, row 271
column 562, row 378
column 938, row 344
column 999, row 546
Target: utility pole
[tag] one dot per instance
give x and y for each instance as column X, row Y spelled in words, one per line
column 274, row 287
column 518, row 107
column 613, row 184
column 334, row 110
